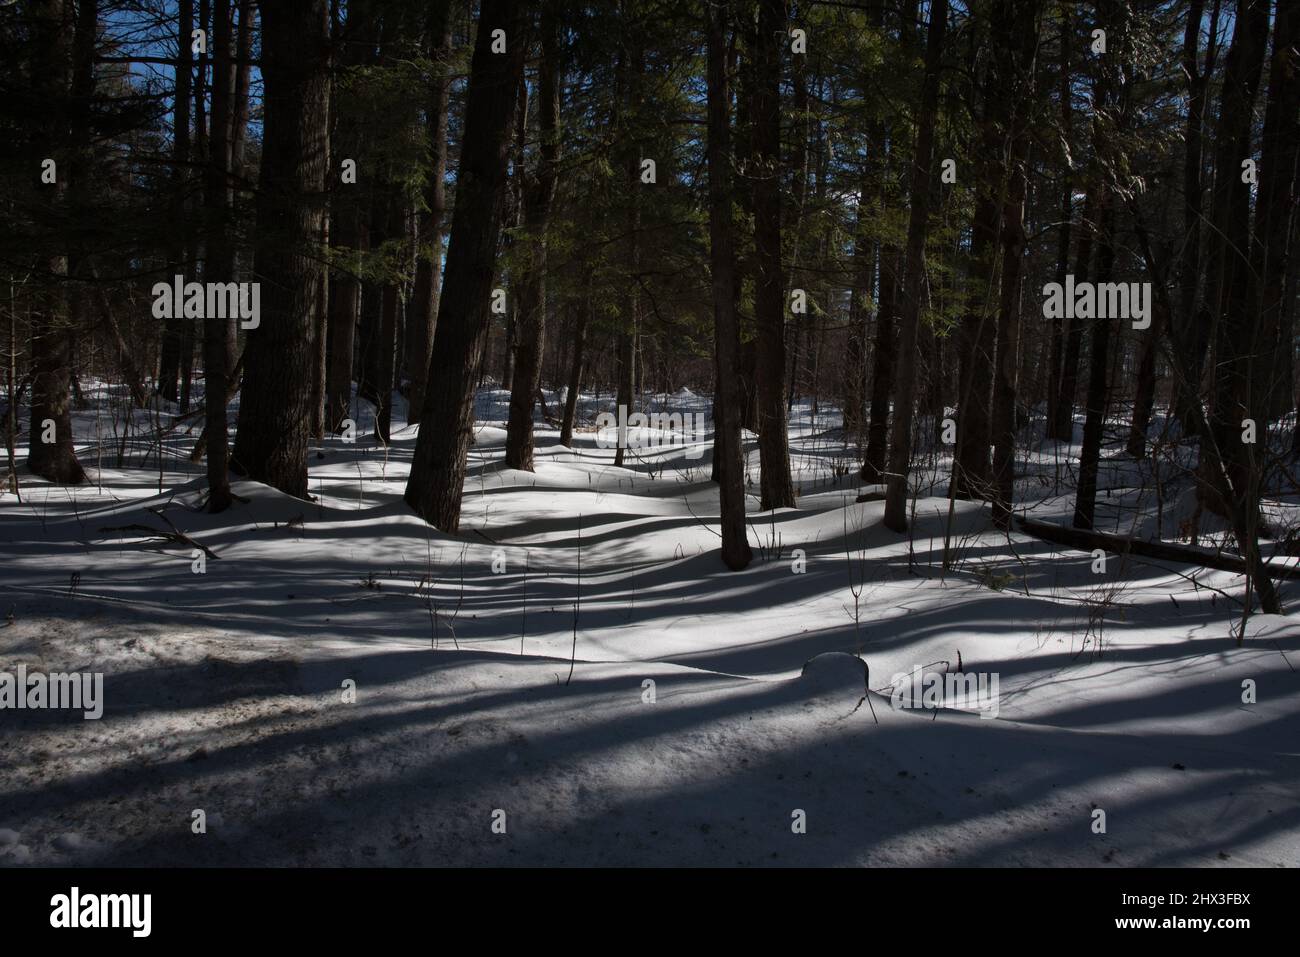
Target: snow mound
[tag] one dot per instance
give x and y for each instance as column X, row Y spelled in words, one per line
column 835, row 673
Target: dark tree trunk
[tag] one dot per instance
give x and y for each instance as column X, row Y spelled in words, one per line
column 344, row 300
column 437, row 477
column 865, row 254
column 428, row 268
column 1019, row 21
column 1237, row 329
column 51, row 345
column 625, row 384
column 769, row 293
column 320, row 334
column 748, row 380
column 371, row 319
column 275, row 409
column 728, row 453
column 889, row 263
column 539, row 193
column 575, row 378
column 1144, row 395
column 882, row 367
column 321, row 318
column 385, row 363
column 1273, row 381
column 900, row 444
column 1085, row 502
column 347, row 231
column 169, row 368
column 1062, row 427
column 1066, row 97
column 243, row 75
column 515, row 221
column 218, row 263
column 627, row 82
column 976, row 334
column 1190, row 333
column 200, row 153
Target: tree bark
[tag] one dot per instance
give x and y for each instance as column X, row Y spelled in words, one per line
column 1191, row 330
column 769, row 293
column 218, row 262
column 428, row 269
column 275, row 408
column 728, row 451
column 1273, row 382
column 976, row 336
column 1066, row 97
column 1020, row 22
column 1237, row 329
column 900, row 445
column 890, row 263
column 1085, row 501
column 575, row 377
column 51, row 344
column 169, row 367
column 435, row 487
column 538, row 196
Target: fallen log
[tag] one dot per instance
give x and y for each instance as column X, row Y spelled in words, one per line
column 1086, row 541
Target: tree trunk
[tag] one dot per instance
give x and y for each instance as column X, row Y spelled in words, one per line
column 539, row 193
column 385, row 366
column 275, row 409
column 882, row 367
column 169, row 367
column 428, row 268
column 575, row 378
column 1062, row 427
column 516, row 223
column 865, row 255
column 976, row 334
column 51, row 345
column 889, row 262
column 320, row 333
column 243, row 75
column 1273, row 383
column 900, row 445
column 347, row 232
column 1020, row 23
column 769, row 293
column 1191, row 335
column 1144, row 395
column 344, row 300
column 1236, row 359
column 1085, row 501
column 1066, row 104
column 728, row 452
column 219, row 261
column 435, row 486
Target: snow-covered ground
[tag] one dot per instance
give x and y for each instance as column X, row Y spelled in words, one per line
column 578, row 670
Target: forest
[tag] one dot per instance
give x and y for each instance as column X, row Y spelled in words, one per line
column 651, row 431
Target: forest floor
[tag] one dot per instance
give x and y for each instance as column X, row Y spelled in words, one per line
column 578, row 669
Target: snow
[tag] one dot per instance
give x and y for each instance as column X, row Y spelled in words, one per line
column 703, row 708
